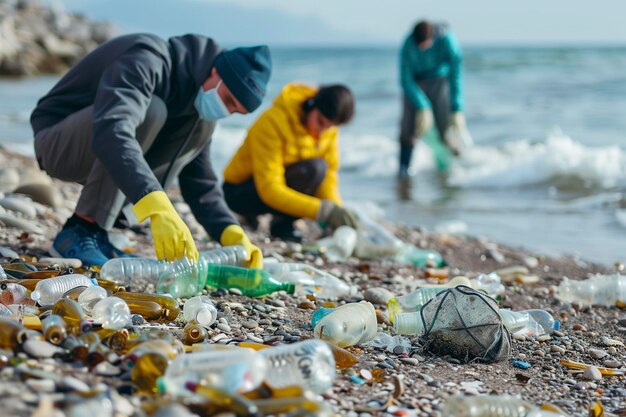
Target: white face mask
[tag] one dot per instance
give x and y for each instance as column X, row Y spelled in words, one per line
column 209, row 104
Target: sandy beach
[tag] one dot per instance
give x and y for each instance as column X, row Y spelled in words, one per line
column 413, row 382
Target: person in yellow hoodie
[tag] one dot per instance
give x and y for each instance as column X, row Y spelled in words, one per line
column 288, row 164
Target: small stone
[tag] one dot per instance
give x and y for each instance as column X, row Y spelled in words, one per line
column 597, row 353
column 41, row 385
column 250, row 324
column 398, row 386
column 306, row 305
column 592, row 374
column 106, row 369
column 75, row 384
column 611, row 342
column 579, row 327
column 519, row 337
column 378, row 295
column 235, row 291
column 40, row 348
column 557, row 349
column 544, row 338
column 62, row 262
column 539, row 352
column 224, row 327
column 611, row 363
column 410, row 361
column 365, row 374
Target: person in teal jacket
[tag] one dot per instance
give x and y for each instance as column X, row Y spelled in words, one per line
column 430, row 75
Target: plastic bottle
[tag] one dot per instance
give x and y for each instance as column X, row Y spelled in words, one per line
column 201, row 310
column 606, row 290
column 492, row 406
column 319, row 314
column 160, row 346
column 410, row 254
column 147, row 370
column 309, row 364
column 170, row 309
column 194, row 333
column 149, row 310
column 3, row 274
column 341, row 245
column 124, row 270
column 12, row 293
column 348, row 325
column 5, row 311
column 251, row 282
column 489, row 283
column 310, row 280
column 374, row 241
column 412, row 301
column 409, row 324
column 54, row 329
column 111, row 312
column 48, row 291
column 529, row 322
column 231, row 370
column 73, row 315
column 235, row 403
column 10, row 333
column 88, row 298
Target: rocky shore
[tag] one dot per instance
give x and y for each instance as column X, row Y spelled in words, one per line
column 40, row 39
column 406, row 383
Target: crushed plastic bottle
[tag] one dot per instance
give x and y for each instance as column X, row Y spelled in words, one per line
column 309, row 364
column 390, row 343
column 341, row 245
column 112, row 313
column 310, row 280
column 605, row 290
column 190, row 280
column 348, row 325
column 231, row 370
column 532, row 323
column 374, row 241
column 13, row 294
column 493, row 406
column 90, row 297
column 48, row 291
column 489, row 283
column 124, row 270
column 201, row 310
column 411, row 255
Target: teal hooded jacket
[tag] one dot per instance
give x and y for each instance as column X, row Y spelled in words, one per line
column 442, row 59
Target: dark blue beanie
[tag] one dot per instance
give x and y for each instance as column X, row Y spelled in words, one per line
column 246, row 71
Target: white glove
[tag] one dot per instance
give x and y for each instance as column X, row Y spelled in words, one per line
column 456, row 136
column 423, row 122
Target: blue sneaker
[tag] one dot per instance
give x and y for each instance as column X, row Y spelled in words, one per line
column 78, row 242
column 108, row 249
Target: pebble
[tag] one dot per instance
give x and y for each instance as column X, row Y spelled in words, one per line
column 611, row 342
column 611, row 363
column 8, row 253
column 62, row 262
column 250, row 324
column 519, row 337
column 235, row 291
column 75, row 384
column 224, row 327
column 592, row 374
column 306, row 305
column 597, row 353
column 40, row 348
column 41, row 385
column 107, row 369
column 544, row 338
column 19, row 205
column 410, row 361
column 378, row 295
column 579, row 327
column 557, row 349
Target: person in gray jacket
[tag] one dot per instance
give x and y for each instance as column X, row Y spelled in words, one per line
column 129, row 118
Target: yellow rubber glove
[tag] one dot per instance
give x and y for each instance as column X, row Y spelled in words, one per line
column 234, row 235
column 172, row 238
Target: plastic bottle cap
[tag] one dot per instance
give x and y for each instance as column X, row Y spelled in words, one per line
column 35, row 295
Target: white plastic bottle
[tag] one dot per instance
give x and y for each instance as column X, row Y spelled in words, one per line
column 310, row 280
column 232, row 370
column 348, row 325
column 48, row 291
column 309, row 364
column 200, row 309
column 493, row 406
column 88, row 298
column 125, row 270
column 112, row 313
column 606, row 290
column 529, row 322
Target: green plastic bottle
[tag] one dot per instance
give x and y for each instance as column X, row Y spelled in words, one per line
column 189, row 281
column 409, row 254
column 443, row 156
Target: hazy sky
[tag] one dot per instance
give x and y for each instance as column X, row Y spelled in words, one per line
column 368, row 21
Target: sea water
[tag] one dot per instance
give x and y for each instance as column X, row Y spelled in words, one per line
column 548, row 171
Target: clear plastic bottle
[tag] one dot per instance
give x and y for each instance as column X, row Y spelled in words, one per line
column 3, row 274
column 125, row 270
column 489, row 283
column 201, row 310
column 4, row 311
column 412, row 301
column 529, row 322
column 374, row 241
column 232, row 370
column 309, row 364
column 606, row 290
column 48, row 291
column 410, row 254
column 493, row 406
column 111, row 312
column 409, row 324
column 90, row 297
column 188, row 280
column 310, row 280
column 12, row 293
column 348, row 325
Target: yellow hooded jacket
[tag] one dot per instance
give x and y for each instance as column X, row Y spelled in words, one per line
column 278, row 139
